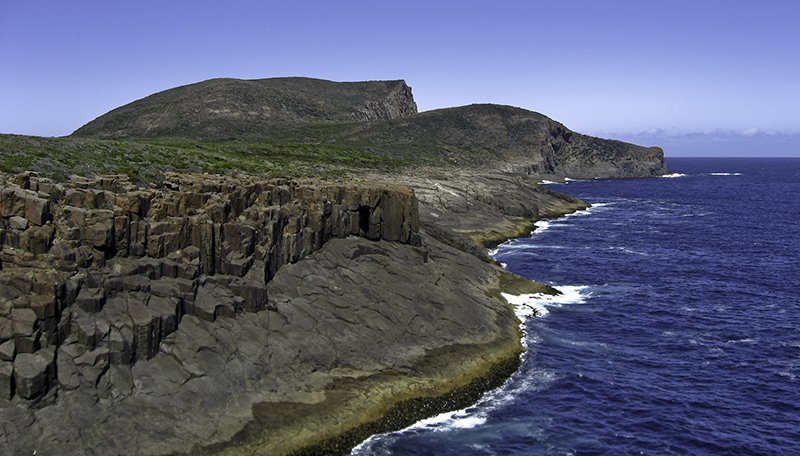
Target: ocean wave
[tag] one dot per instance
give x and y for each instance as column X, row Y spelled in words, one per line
column 536, row 305
column 588, row 210
column 544, row 225
column 724, row 174
column 673, row 175
column 627, row 250
column 745, row 340
column 549, row 182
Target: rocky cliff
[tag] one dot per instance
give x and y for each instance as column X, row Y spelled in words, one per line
column 113, row 268
column 236, row 109
column 236, row 314
column 200, row 314
column 496, row 138
column 375, row 118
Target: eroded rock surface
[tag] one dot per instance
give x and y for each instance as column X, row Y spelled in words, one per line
column 180, row 318
column 355, row 309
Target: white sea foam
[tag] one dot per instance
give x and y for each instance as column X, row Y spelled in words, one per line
column 537, row 305
column 673, row 175
column 724, row 174
column 627, row 250
column 588, row 211
column 525, row 307
column 544, row 225
column 549, row 182
column 541, row 226
column 745, row 340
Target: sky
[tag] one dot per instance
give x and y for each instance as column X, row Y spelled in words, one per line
column 697, row 77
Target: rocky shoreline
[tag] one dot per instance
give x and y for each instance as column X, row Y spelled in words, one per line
column 213, row 314
column 208, row 309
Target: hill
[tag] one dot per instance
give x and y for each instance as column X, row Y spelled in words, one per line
column 236, row 109
column 501, row 137
column 374, row 118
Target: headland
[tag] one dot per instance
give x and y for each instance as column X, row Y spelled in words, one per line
column 278, row 266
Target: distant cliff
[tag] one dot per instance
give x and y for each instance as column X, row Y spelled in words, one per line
column 378, row 118
column 503, row 138
column 236, row 109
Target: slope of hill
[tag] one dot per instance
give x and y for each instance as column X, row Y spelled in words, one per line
column 236, row 109
column 500, row 137
column 374, row 117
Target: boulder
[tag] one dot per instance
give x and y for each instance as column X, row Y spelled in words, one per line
column 18, row 223
column 8, row 350
column 33, row 373
column 91, row 299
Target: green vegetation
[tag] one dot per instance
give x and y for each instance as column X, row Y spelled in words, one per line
column 516, row 285
column 147, row 160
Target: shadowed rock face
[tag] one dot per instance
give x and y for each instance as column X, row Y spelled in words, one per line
column 226, row 109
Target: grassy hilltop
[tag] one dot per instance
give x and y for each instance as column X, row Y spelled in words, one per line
column 293, row 127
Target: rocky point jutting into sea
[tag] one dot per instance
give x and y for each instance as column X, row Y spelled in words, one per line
column 218, row 307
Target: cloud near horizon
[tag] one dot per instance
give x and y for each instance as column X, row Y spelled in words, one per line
column 751, row 142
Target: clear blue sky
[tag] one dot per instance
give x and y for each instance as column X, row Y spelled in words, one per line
column 660, row 71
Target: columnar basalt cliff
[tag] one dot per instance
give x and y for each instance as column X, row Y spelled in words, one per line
column 111, row 268
column 205, row 311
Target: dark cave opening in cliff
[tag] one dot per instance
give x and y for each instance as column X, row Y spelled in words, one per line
column 363, row 218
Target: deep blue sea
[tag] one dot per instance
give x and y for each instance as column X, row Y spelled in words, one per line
column 678, row 331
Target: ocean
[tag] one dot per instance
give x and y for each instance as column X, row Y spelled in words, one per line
column 678, row 330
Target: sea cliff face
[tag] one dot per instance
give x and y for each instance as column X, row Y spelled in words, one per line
column 209, row 296
column 113, row 268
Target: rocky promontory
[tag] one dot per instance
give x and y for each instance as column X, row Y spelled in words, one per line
column 278, row 266
column 191, row 314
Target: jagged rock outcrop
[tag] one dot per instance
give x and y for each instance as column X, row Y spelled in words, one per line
column 206, row 313
column 202, row 314
column 98, row 272
column 471, row 209
column 235, row 109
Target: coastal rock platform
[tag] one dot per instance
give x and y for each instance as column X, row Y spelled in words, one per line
column 214, row 314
